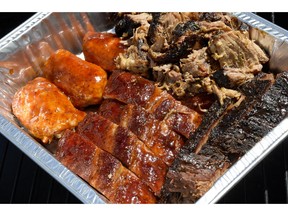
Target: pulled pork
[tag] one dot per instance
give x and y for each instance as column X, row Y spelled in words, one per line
column 190, row 53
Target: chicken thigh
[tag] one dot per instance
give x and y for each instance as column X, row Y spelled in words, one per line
column 44, row 110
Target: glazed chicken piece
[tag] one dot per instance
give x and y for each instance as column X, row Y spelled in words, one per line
column 101, row 170
column 44, row 110
column 102, row 49
column 82, row 81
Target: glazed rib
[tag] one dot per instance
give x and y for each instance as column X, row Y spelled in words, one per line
column 124, row 145
column 142, row 92
column 101, row 170
column 162, row 141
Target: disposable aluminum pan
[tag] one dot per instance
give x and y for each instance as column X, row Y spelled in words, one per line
column 23, row 51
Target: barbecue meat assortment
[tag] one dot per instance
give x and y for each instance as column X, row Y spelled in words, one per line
column 168, row 103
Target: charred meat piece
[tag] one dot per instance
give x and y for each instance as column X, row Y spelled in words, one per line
column 160, row 139
column 44, row 110
column 133, row 89
column 234, row 131
column 81, row 81
column 135, row 58
column 176, row 51
column 192, row 175
column 125, row 28
column 101, row 170
column 258, row 118
column 211, row 119
column 124, row 145
column 102, row 49
column 219, row 118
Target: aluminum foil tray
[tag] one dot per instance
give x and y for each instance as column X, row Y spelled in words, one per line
column 25, row 49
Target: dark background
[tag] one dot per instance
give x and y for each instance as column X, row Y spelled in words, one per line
column 23, row 181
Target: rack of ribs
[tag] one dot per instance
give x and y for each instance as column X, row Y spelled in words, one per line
column 133, row 89
column 102, row 170
column 124, row 145
column 162, row 141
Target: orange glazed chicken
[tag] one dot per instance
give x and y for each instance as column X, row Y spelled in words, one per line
column 102, row 49
column 44, row 110
column 82, row 81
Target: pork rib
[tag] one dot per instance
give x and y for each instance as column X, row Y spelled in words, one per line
column 124, row 145
column 142, row 92
column 162, row 141
column 101, row 170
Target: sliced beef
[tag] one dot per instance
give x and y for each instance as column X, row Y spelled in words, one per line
column 238, row 130
column 219, row 118
column 192, row 175
column 254, row 121
column 211, row 119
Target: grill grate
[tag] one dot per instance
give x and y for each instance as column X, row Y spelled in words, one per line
column 22, row 181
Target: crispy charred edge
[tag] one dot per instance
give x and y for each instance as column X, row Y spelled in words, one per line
column 261, row 117
column 220, row 118
column 176, row 50
column 124, row 145
column 211, row 119
column 161, row 140
column 103, row 171
column 192, row 175
column 126, row 26
column 237, row 131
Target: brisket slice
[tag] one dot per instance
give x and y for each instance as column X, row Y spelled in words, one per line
column 219, row 118
column 238, row 130
column 250, row 125
column 192, row 175
column 101, row 170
